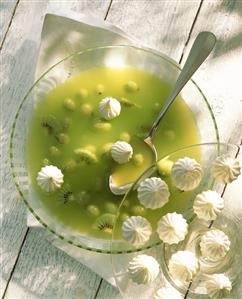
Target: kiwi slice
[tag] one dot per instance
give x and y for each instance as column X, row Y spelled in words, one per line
column 105, row 223
column 52, row 124
column 66, row 194
column 85, row 155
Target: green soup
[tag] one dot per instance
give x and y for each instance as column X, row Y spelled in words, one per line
column 68, row 119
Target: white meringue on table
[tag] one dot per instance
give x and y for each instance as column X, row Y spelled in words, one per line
column 208, row 204
column 121, row 152
column 136, row 230
column 118, row 190
column 153, row 193
column 172, row 228
column 143, row 269
column 186, row 174
column 218, row 286
column 167, row 293
column 183, row 265
column 225, row 169
column 109, row 108
column 214, row 244
column 50, row 178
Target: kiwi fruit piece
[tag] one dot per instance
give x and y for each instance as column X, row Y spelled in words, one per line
column 138, row 159
column 66, row 194
column 86, row 109
column 138, row 210
column 127, row 103
column 93, row 211
column 69, row 104
column 52, row 124
column 85, row 156
column 105, row 223
column 102, row 126
column 131, row 86
column 100, row 89
column 63, row 138
column 110, row 207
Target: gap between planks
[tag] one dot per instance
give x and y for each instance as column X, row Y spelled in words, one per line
column 190, row 32
column 16, row 261
column 9, row 24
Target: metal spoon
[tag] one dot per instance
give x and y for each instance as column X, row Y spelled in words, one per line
column 201, row 48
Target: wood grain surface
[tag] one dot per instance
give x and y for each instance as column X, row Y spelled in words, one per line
column 30, row 266
column 7, row 10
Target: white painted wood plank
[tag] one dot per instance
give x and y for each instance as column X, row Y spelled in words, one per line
column 163, row 25
column 16, row 76
column 43, row 271
column 220, row 76
column 6, row 13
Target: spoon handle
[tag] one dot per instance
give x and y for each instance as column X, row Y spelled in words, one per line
column 201, row 48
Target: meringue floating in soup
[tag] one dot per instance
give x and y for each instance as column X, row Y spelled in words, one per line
column 85, row 148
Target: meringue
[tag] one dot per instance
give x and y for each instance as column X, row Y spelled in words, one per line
column 225, row 169
column 186, row 174
column 183, row 265
column 208, row 204
column 153, row 193
column 172, row 228
column 121, row 152
column 143, row 269
column 167, row 293
column 214, row 244
column 109, row 108
column 136, row 230
column 50, row 178
column 118, row 190
column 218, row 286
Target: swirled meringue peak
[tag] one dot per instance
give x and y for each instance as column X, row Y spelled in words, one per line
column 218, row 286
column 121, row 152
column 118, row 190
column 153, row 193
column 136, row 230
column 208, row 204
column 186, row 174
column 143, row 269
column 50, row 178
column 183, row 265
column 214, row 244
column 225, row 169
column 109, row 108
column 167, row 293
column 172, row 228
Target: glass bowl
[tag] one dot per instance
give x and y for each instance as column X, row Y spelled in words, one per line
column 110, row 56
column 231, row 264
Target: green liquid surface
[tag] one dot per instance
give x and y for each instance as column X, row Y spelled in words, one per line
column 59, row 128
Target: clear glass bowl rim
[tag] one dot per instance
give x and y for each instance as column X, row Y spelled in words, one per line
column 26, row 97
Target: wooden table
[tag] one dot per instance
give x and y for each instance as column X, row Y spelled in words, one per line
column 30, row 266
